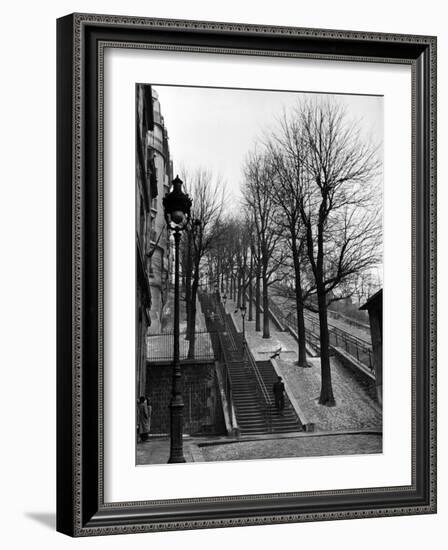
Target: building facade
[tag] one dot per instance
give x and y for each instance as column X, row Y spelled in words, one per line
column 145, row 189
column 159, row 256
column 153, row 178
column 374, row 306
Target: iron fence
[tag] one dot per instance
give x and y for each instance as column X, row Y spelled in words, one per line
column 357, row 348
column 273, row 307
column 349, row 320
column 159, row 347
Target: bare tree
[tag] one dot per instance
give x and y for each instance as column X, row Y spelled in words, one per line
column 364, row 286
column 222, row 254
column 285, row 153
column 208, row 197
column 338, row 208
column 258, row 179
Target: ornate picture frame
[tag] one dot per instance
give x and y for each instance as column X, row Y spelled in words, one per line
column 81, row 43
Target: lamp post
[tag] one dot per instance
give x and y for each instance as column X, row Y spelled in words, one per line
column 177, row 205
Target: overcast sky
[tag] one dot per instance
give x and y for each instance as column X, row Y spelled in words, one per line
column 214, row 128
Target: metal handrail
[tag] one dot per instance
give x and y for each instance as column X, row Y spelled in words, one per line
column 222, row 363
column 340, row 331
column 234, row 335
column 219, row 310
column 210, row 301
column 222, row 349
column 355, row 322
column 356, row 347
column 276, row 311
column 221, row 357
column 260, row 385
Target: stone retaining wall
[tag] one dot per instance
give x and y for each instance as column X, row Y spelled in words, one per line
column 202, row 401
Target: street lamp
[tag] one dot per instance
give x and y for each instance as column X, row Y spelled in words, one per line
column 177, row 205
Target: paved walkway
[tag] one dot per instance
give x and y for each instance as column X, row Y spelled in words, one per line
column 168, row 315
column 354, row 409
column 156, row 450
column 307, row 445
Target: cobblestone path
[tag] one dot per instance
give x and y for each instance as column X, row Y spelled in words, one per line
column 296, row 447
column 156, row 450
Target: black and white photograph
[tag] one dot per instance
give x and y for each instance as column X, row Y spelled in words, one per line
column 221, row 252
column 259, row 274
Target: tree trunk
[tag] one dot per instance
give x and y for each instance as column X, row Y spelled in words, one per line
column 191, row 330
column 218, row 270
column 257, row 300
column 251, row 270
column 326, row 392
column 238, row 302
column 244, row 282
column 301, row 334
column 266, row 332
column 188, row 274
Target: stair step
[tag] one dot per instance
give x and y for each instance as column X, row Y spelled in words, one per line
column 247, row 396
column 257, row 425
column 246, row 400
column 249, row 409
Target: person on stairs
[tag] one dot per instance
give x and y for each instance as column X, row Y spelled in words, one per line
column 279, row 394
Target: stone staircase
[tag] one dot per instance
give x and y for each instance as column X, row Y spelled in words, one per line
column 250, row 413
column 253, row 415
column 286, row 420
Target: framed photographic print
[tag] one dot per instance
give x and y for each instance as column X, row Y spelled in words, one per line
column 246, row 274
